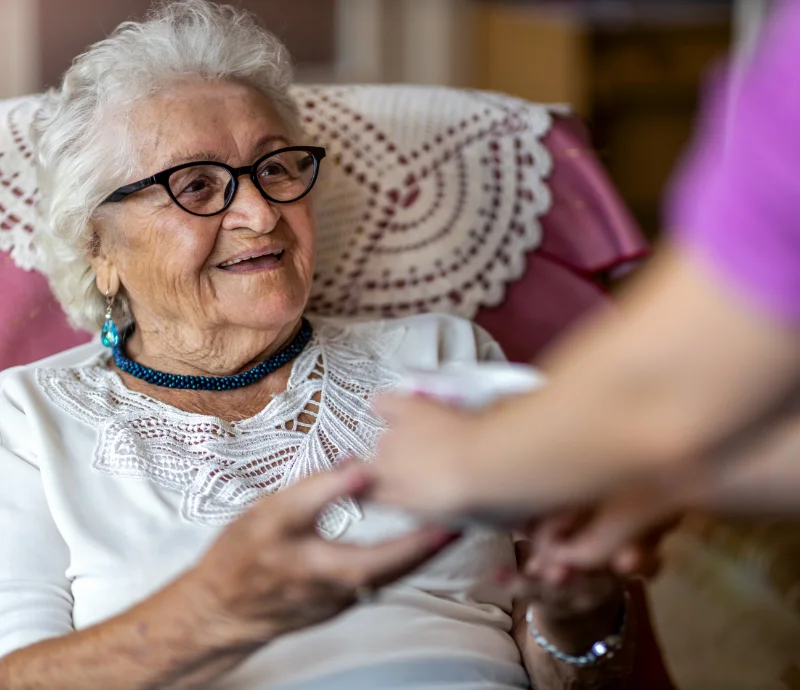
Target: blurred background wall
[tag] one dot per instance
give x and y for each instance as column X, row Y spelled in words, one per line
column 632, row 68
column 65, row 27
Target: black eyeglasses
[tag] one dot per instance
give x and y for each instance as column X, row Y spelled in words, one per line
column 206, row 188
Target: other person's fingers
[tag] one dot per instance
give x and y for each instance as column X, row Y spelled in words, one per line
column 616, row 531
column 393, row 407
column 402, row 410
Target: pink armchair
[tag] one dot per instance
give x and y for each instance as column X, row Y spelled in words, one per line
column 431, row 199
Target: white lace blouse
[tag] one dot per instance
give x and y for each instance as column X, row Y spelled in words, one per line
column 107, row 494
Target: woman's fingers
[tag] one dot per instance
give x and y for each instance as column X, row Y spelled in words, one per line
column 637, row 561
column 643, row 558
column 271, row 571
column 577, row 594
column 383, row 563
column 298, row 507
column 560, row 589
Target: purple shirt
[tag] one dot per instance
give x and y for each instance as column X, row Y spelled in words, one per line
column 737, row 202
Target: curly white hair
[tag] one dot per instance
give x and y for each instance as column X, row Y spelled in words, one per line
column 82, row 157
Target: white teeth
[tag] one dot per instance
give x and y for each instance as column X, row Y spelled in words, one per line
column 233, row 262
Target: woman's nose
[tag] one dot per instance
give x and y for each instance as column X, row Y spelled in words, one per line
column 250, row 208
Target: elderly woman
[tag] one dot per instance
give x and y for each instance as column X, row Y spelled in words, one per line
column 147, row 537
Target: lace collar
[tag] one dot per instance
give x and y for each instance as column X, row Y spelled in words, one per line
column 222, row 468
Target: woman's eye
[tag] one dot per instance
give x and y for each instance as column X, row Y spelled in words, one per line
column 273, row 169
column 195, row 186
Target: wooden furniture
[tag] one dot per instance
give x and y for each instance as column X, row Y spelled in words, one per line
column 632, row 71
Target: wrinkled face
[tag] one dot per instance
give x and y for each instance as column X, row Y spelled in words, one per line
column 176, row 267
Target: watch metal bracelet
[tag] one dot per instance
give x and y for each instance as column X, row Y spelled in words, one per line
column 601, row 650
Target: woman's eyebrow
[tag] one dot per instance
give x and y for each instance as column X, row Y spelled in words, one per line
column 267, row 143
column 183, row 157
column 264, row 145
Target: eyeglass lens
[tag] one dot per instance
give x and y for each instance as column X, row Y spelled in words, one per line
column 207, row 189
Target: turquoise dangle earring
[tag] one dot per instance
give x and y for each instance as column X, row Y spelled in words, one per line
column 109, row 336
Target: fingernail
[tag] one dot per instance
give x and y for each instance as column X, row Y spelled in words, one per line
column 359, row 480
column 557, row 574
column 533, row 568
column 442, row 538
column 503, row 576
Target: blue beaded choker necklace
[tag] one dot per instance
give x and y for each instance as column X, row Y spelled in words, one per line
column 215, row 383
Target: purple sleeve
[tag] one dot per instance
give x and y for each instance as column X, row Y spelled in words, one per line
column 736, row 203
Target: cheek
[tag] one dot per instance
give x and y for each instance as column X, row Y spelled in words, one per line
column 301, row 220
column 164, row 251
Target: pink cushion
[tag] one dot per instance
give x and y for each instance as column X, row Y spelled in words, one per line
column 539, row 307
column 32, row 324
column 589, row 236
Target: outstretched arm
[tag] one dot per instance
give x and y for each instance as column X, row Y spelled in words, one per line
column 683, row 368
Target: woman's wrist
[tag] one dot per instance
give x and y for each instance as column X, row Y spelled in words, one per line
column 558, row 656
column 476, row 489
column 575, row 634
column 213, row 623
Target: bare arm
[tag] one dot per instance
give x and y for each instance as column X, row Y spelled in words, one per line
column 267, row 575
column 762, row 477
column 681, row 371
column 758, row 477
column 166, row 642
column 686, row 365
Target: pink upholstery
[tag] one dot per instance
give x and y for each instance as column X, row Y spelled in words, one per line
column 32, row 324
column 587, row 235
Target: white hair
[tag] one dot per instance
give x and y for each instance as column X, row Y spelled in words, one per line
column 81, row 156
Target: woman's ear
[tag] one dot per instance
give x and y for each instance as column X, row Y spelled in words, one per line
column 106, row 276
column 105, row 271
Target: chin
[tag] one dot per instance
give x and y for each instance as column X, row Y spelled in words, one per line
column 266, row 314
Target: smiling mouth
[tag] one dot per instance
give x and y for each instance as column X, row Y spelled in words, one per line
column 257, row 262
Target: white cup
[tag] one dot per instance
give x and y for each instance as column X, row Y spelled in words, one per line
column 471, row 386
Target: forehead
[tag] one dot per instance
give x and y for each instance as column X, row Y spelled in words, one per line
column 222, row 121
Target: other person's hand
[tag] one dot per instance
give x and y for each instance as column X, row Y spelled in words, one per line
column 622, row 534
column 422, row 460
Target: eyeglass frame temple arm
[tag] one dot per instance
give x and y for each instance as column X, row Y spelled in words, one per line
column 132, row 188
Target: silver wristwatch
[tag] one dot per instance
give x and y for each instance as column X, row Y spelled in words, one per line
column 600, row 651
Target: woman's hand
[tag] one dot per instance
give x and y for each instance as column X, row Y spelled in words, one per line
column 270, row 572
column 267, row 574
column 572, row 609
